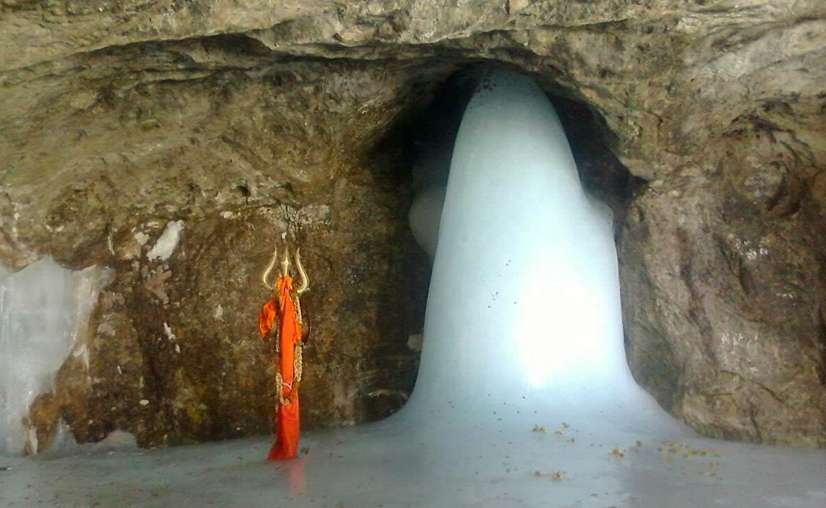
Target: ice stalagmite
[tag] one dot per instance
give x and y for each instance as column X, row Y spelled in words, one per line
column 524, row 298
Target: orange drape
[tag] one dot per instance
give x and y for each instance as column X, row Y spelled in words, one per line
column 283, row 308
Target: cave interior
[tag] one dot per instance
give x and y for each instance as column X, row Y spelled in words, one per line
column 535, row 280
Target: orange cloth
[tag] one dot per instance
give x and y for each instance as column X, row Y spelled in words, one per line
column 283, row 308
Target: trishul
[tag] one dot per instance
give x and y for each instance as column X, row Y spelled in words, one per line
column 285, row 270
column 282, row 314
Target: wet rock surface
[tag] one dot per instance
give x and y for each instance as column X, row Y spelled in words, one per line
column 120, row 117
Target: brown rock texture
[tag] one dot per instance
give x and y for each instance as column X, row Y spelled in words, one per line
column 174, row 354
column 723, row 286
column 243, row 120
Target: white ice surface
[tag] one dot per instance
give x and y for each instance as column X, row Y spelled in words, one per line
column 523, row 398
column 42, row 310
column 36, row 323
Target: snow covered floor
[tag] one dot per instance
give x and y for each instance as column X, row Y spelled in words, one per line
column 489, row 464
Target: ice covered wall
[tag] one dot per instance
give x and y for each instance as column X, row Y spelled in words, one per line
column 43, row 309
column 524, row 298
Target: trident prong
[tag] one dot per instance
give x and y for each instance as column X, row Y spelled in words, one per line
column 269, row 268
column 305, row 281
column 285, row 262
column 303, row 286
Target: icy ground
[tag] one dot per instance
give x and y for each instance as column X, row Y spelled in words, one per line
column 524, row 398
column 488, row 464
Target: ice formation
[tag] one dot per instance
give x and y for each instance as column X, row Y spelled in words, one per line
column 43, row 311
column 424, row 217
column 524, row 297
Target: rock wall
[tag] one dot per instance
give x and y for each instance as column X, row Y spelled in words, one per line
column 173, row 351
column 723, row 285
column 119, row 117
column 219, row 165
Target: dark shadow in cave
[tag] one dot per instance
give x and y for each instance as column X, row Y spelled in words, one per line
column 601, row 173
column 424, row 131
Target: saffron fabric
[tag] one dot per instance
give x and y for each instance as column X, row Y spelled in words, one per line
column 281, row 311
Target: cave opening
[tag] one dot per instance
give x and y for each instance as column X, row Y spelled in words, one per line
column 428, row 134
column 520, row 232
